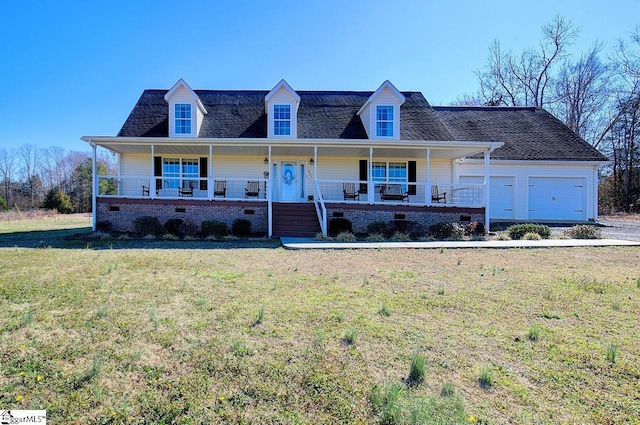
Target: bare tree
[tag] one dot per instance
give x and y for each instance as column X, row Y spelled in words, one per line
column 525, row 80
column 30, row 158
column 7, row 169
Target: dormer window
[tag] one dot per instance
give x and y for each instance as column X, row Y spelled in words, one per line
column 183, row 118
column 281, row 120
column 384, row 121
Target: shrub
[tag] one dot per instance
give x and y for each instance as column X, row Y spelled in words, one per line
column 339, row 225
column 517, row 231
column 534, row 333
column 173, row 226
column 322, row 237
column 375, row 237
column 474, row 228
column 345, row 237
column 350, row 336
column 170, row 237
column 3, row 204
column 400, row 237
column 104, row 226
column 384, row 310
column 413, row 229
column 584, row 231
column 531, row 236
column 453, row 231
column 241, row 227
column 503, row 237
column 147, row 225
column 188, row 228
column 214, row 228
column 58, row 200
column 486, row 377
column 379, row 228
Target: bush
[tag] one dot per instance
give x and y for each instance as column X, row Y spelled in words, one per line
column 345, row 237
column 531, row 236
column 241, row 227
column 400, row 237
column 339, row 225
column 453, row 231
column 3, row 204
column 375, row 237
column 147, row 225
column 173, row 226
column 214, row 228
column 58, row 200
column 474, row 228
column 517, row 231
column 584, row 231
column 104, row 226
column 188, row 228
column 413, row 229
column 379, row 228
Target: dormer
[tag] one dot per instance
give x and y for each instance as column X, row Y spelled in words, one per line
column 186, row 111
column 281, row 106
column 380, row 114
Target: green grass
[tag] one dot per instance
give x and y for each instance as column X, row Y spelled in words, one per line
column 163, row 335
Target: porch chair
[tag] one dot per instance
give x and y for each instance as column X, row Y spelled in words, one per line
column 145, row 190
column 220, row 188
column 185, row 191
column 393, row 192
column 350, row 192
column 437, row 196
column 252, row 190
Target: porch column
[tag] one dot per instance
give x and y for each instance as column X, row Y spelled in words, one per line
column 427, row 188
column 315, row 163
column 152, row 180
column 269, row 197
column 94, row 181
column 370, row 186
column 210, row 174
column 487, row 180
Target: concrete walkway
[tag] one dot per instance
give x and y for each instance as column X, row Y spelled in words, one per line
column 303, row 243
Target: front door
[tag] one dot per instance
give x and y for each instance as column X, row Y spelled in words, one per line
column 289, row 182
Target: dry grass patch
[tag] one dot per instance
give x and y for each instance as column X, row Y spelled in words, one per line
column 198, row 357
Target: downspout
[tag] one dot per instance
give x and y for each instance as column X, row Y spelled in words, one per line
column 269, row 198
column 94, row 183
column 487, row 180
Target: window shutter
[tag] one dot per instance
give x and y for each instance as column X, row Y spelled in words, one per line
column 412, row 177
column 203, row 173
column 364, row 175
column 157, row 171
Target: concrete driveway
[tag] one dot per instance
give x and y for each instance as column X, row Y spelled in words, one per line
column 626, row 227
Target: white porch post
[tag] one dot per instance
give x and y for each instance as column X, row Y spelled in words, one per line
column 270, row 197
column 370, row 187
column 94, row 181
column 315, row 163
column 427, row 188
column 487, row 181
column 210, row 174
column 152, row 180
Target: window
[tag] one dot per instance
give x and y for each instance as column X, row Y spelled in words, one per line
column 183, row 118
column 384, row 121
column 281, row 120
column 178, row 172
column 389, row 172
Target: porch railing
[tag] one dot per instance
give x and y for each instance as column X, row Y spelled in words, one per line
column 321, row 209
column 437, row 194
column 222, row 188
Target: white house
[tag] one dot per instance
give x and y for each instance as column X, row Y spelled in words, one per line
column 291, row 160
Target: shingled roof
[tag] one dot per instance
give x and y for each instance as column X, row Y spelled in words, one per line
column 527, row 133
column 325, row 115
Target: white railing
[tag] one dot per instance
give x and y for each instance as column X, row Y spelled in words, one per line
column 218, row 188
column 438, row 194
column 321, row 209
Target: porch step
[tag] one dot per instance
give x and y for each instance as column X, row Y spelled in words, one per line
column 295, row 220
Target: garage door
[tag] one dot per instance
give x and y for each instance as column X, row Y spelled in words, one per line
column 560, row 198
column 500, row 193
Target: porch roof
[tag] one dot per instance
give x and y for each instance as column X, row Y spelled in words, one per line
column 298, row 147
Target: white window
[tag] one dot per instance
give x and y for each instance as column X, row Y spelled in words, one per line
column 182, row 118
column 389, row 172
column 180, row 172
column 384, row 121
column 281, row 120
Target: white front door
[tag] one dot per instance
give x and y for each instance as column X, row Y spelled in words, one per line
column 289, row 181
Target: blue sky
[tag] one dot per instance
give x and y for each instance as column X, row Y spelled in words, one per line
column 74, row 68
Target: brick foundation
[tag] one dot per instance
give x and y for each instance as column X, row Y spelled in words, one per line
column 122, row 212
column 361, row 215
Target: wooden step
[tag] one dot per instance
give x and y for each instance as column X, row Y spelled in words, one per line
column 296, row 220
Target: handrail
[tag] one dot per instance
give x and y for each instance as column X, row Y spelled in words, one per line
column 321, row 209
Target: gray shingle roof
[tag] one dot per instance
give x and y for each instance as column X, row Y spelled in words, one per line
column 527, row 133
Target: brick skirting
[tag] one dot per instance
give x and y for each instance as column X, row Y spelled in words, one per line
column 361, row 215
column 122, row 212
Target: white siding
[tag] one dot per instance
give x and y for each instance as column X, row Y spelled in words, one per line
column 136, row 165
column 283, row 97
column 523, row 171
column 368, row 116
column 181, row 95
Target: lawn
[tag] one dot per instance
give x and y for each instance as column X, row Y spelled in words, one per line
column 213, row 334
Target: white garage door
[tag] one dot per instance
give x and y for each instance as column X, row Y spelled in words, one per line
column 561, row 198
column 500, row 194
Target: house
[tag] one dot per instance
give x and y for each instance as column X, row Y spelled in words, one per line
column 289, row 161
